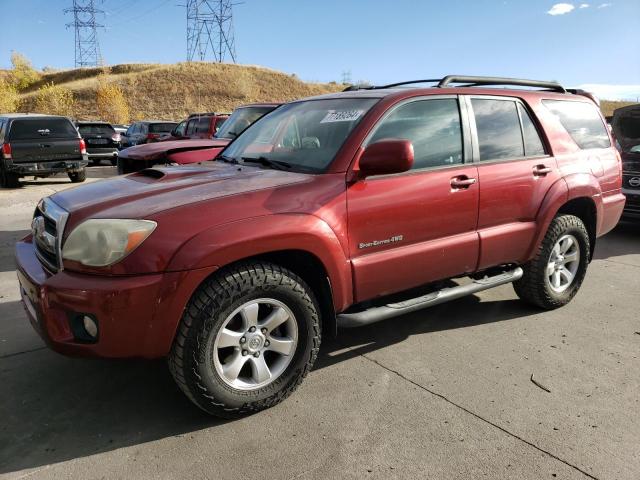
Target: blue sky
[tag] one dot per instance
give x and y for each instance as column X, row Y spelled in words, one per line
column 379, row 41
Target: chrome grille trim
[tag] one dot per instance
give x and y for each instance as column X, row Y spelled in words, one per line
column 56, row 215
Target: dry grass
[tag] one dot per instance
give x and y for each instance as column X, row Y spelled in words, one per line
column 608, row 106
column 173, row 91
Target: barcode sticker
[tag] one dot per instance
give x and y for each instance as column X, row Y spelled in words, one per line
column 342, row 116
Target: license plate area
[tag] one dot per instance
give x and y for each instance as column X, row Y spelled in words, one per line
column 98, row 141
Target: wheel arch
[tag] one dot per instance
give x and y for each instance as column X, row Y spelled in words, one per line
column 585, row 209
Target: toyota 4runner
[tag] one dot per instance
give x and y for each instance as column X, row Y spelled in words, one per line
column 329, row 211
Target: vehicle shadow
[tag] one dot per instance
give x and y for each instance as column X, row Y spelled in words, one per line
column 57, row 408
column 622, row 240
column 7, row 241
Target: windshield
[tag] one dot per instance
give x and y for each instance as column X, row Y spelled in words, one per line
column 239, row 120
column 32, row 128
column 95, row 129
column 303, row 136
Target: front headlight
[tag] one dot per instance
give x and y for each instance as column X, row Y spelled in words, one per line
column 102, row 242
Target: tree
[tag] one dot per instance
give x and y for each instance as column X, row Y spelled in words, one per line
column 9, row 100
column 54, row 100
column 23, row 73
column 111, row 103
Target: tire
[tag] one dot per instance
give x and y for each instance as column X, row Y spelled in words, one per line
column 78, row 177
column 539, row 285
column 8, row 179
column 197, row 356
column 123, row 166
column 95, row 163
column 114, row 161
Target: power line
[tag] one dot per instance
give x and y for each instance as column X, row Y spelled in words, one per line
column 87, row 48
column 210, row 30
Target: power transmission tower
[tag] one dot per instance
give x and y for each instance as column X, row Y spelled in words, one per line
column 85, row 26
column 210, row 30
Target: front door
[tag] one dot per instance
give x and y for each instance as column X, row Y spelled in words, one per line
column 416, row 227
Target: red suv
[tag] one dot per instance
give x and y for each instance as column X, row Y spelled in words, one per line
column 197, row 125
column 329, row 211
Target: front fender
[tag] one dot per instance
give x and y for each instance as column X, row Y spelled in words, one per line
column 228, row 243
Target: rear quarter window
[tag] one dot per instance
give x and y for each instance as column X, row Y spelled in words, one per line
column 582, row 121
column 161, row 127
column 37, row 128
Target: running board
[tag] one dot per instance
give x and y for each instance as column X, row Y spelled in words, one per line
column 376, row 314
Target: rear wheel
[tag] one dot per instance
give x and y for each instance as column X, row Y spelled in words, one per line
column 555, row 275
column 123, row 166
column 78, row 177
column 114, row 161
column 248, row 337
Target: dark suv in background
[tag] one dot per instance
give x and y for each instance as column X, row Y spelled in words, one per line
column 146, row 131
column 626, row 128
column 102, row 141
column 39, row 146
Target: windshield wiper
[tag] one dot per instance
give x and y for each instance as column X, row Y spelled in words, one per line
column 224, row 158
column 277, row 164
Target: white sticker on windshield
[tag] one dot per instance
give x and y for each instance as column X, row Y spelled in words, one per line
column 342, row 116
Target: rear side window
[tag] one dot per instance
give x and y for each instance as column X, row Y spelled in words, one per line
column 202, row 126
column 161, row 127
column 582, row 121
column 37, row 128
column 532, row 144
column 498, row 126
column 432, row 126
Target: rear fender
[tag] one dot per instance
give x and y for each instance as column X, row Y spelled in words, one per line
column 225, row 244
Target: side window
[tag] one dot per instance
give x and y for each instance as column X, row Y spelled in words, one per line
column 202, row 126
column 143, row 128
column 432, row 126
column 582, row 121
column 533, row 146
column 181, row 128
column 498, row 127
column 191, row 126
column 2, row 124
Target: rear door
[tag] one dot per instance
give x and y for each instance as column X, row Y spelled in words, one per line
column 514, row 173
column 43, row 139
column 412, row 228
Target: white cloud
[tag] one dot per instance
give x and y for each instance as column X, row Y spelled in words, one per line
column 613, row 92
column 605, row 5
column 561, row 9
column 584, row 5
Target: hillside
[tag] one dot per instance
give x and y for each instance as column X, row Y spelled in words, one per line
column 173, row 91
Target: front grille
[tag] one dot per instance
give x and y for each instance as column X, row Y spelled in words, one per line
column 632, row 205
column 47, row 228
column 631, row 181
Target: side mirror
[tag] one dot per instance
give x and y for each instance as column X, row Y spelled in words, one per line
column 386, row 157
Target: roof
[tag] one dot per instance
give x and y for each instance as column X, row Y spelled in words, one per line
column 154, row 121
column 29, row 115
column 267, row 104
column 90, row 122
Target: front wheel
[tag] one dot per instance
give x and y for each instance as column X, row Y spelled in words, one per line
column 247, row 339
column 78, row 177
column 556, row 273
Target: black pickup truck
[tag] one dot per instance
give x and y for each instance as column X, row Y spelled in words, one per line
column 39, row 146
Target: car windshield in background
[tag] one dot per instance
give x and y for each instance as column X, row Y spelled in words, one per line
column 25, row 129
column 240, row 120
column 302, row 136
column 96, row 129
column 161, row 127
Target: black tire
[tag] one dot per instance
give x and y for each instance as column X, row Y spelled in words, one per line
column 95, row 163
column 534, row 287
column 203, row 318
column 114, row 161
column 123, row 166
column 78, row 177
column 8, row 179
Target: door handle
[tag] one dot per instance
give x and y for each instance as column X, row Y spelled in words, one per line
column 462, row 182
column 541, row 170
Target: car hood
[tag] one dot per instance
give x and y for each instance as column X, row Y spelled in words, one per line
column 158, row 150
column 150, row 191
column 626, row 126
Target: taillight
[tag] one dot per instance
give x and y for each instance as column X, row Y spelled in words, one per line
column 116, row 137
column 83, row 146
column 6, row 150
column 152, row 136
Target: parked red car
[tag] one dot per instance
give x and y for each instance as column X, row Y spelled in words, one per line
column 191, row 150
column 329, row 211
column 197, row 125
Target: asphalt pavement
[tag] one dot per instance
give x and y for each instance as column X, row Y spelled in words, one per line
column 445, row 393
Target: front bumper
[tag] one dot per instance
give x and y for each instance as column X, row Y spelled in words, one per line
column 137, row 315
column 47, row 168
column 632, row 206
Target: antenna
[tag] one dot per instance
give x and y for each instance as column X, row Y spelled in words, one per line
column 210, row 30
column 85, row 26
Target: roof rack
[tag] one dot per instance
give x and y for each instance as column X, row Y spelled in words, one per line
column 206, row 114
column 469, row 82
